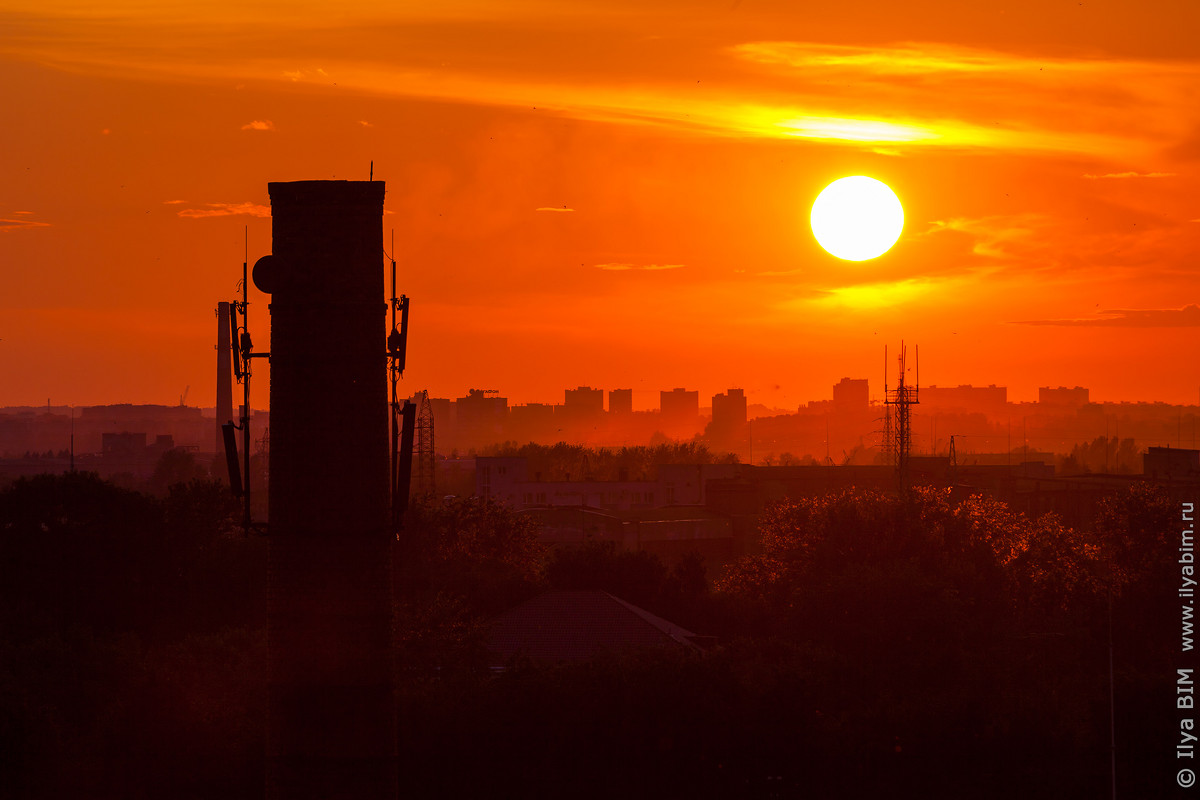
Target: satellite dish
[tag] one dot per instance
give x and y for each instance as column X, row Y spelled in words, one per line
column 268, row 272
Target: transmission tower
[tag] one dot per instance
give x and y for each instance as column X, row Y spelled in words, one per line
column 953, row 463
column 888, row 444
column 426, row 478
column 899, row 420
column 264, row 455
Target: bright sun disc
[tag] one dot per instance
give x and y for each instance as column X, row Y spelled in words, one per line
column 857, row 218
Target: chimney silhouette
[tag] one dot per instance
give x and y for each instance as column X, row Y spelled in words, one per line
column 224, row 381
column 331, row 727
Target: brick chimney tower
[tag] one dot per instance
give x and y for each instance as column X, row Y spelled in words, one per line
column 332, row 726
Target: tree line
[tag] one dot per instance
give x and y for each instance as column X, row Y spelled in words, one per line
column 925, row 645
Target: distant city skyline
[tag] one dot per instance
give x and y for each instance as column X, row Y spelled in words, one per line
column 643, row 399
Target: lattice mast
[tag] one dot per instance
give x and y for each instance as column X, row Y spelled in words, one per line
column 426, row 477
column 899, row 402
column 889, row 455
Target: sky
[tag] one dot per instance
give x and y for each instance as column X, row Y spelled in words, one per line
column 613, row 194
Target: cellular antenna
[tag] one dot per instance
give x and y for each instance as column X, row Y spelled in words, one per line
column 242, row 350
column 403, row 417
column 247, row 349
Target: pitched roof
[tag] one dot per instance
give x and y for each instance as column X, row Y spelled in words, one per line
column 573, row 626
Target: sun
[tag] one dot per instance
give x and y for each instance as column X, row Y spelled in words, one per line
column 857, row 218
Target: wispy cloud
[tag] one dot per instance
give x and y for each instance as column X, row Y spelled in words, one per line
column 909, row 58
column 553, row 208
column 1119, row 243
column 646, row 267
column 259, row 125
column 8, row 225
column 1130, row 175
column 174, row 202
column 996, row 237
column 885, row 98
column 226, row 210
column 1186, row 317
column 875, row 295
column 1002, row 100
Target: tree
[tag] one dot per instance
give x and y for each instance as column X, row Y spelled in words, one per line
column 1137, row 532
column 564, row 461
column 480, row 551
column 1104, row 454
column 910, row 566
column 634, row 576
column 458, row 561
column 175, row 466
column 1133, row 530
column 78, row 551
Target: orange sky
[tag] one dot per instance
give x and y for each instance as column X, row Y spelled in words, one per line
column 594, row 193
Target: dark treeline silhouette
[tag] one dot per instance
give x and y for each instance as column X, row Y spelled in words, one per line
column 928, row 646
column 565, row 461
column 1104, row 454
column 131, row 646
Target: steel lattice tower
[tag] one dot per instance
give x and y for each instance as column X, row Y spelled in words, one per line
column 426, row 478
column 899, row 402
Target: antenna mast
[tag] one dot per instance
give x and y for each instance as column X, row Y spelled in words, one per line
column 247, row 350
column 403, row 417
column 242, row 352
column 901, row 399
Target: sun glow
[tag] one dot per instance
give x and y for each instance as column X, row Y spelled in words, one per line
column 857, row 218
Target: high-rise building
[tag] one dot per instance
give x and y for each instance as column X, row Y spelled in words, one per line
column 1062, row 396
column 480, row 417
column 728, row 429
column 851, row 395
column 680, row 412
column 620, row 401
column 584, row 402
column 965, row 397
column 729, row 410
